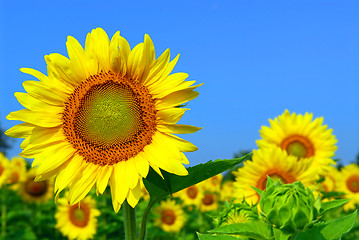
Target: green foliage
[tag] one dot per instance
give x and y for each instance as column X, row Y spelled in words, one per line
column 160, row 187
column 289, row 212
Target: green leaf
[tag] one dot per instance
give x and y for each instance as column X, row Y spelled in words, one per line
column 280, row 235
column 333, row 204
column 159, row 187
column 216, row 237
column 330, row 230
column 252, row 229
column 336, row 228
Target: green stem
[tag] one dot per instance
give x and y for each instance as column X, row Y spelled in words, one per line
column 3, row 215
column 130, row 221
column 144, row 219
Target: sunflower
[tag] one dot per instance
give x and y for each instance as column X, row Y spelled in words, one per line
column 330, row 180
column 348, row 183
column 16, row 173
column 4, row 169
column 170, row 216
column 77, row 221
column 302, row 137
column 227, row 191
column 104, row 116
column 38, row 192
column 191, row 195
column 274, row 163
column 212, row 184
column 209, row 201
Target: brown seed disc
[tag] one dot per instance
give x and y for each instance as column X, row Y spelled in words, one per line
column 35, row 189
column 299, row 146
column 168, row 217
column 79, row 216
column 353, row 183
column 275, row 174
column 109, row 118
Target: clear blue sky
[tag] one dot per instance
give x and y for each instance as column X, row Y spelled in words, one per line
column 255, row 58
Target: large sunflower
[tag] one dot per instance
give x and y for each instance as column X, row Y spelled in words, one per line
column 348, row 183
column 274, row 163
column 302, row 137
column 38, row 192
column 170, row 216
column 105, row 115
column 77, row 221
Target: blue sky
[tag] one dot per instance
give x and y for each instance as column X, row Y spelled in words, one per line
column 255, row 58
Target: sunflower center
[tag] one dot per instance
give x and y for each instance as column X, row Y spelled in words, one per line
column 79, row 216
column 1, row 169
column 36, row 189
column 192, row 192
column 353, row 184
column 298, row 146
column 168, row 217
column 109, row 118
column 276, row 175
column 208, row 199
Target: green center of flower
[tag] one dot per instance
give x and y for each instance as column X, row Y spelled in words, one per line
column 109, row 114
column 109, row 118
column 299, row 146
column 297, row 149
column 353, row 184
column 79, row 216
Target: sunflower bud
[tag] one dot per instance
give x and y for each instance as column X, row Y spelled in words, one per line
column 290, row 206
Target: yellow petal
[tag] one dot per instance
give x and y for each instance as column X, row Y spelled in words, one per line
column 103, row 178
column 117, row 59
column 21, row 130
column 34, row 104
column 78, row 58
column 40, row 119
column 135, row 65
column 39, row 75
column 177, row 98
column 183, row 145
column 82, row 186
column 65, row 177
column 134, row 195
column 142, row 164
column 62, row 65
column 177, row 128
column 43, row 93
column 101, row 48
column 159, row 66
column 170, row 115
column 121, row 186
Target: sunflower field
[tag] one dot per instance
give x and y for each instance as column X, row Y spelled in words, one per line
column 101, row 131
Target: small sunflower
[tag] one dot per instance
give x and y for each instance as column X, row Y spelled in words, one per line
column 348, row 183
column 212, row 184
column 4, row 169
column 38, row 192
column 302, row 137
column 170, row 216
column 274, row 163
column 227, row 191
column 191, row 195
column 16, row 173
column 77, row 221
column 104, row 116
column 209, row 201
column 330, row 180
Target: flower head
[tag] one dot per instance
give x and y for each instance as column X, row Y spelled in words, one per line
column 348, row 183
column 302, row 137
column 274, row 163
column 4, row 169
column 104, row 116
column 170, row 216
column 77, row 221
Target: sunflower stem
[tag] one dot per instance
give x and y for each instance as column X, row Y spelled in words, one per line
column 130, row 221
column 144, row 219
